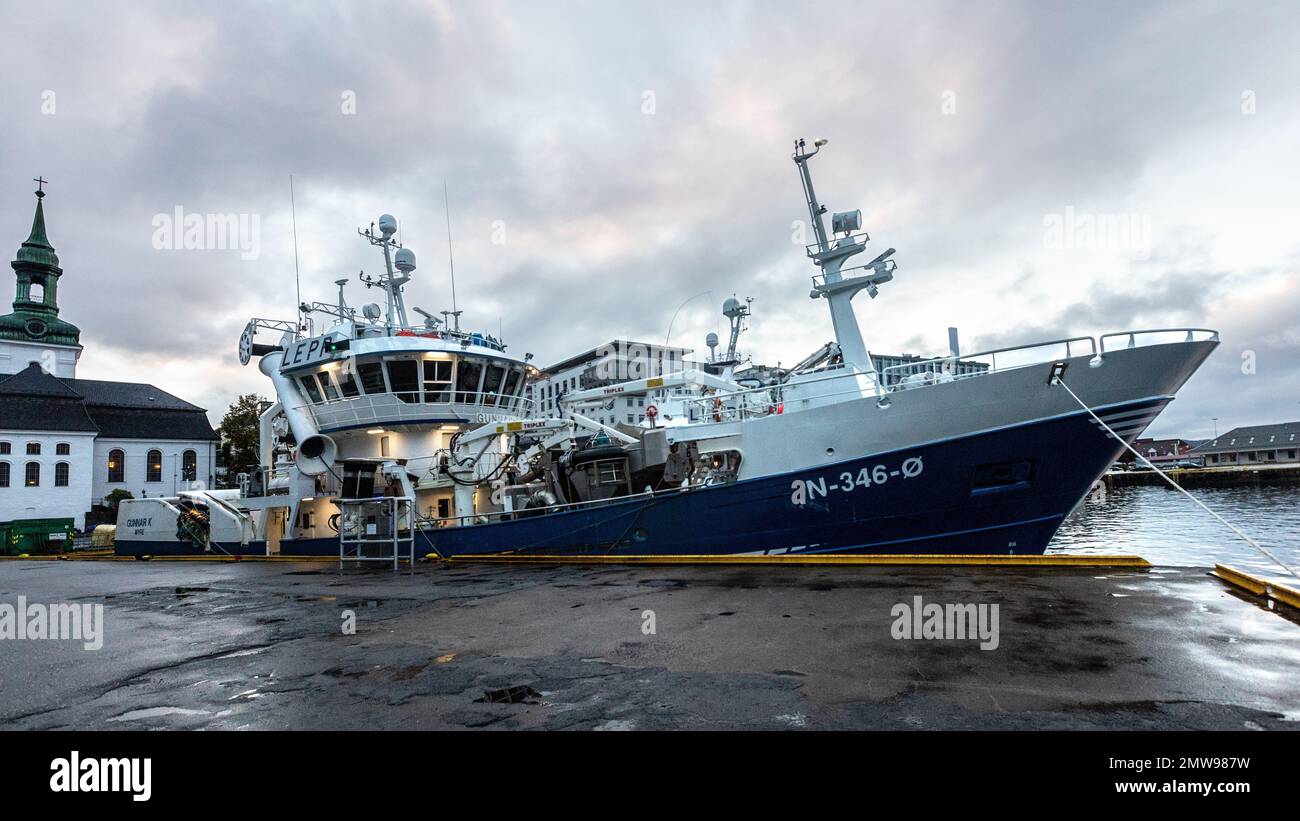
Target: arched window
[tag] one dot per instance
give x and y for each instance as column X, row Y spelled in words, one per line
column 116, row 465
column 62, row 449
column 4, row 448
column 189, row 466
column 33, row 448
column 33, row 478
column 61, row 474
column 4, row 474
column 153, row 466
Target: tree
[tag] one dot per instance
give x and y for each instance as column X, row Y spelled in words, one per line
column 116, row 496
column 240, row 435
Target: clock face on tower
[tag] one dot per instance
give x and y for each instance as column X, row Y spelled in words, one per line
column 36, row 327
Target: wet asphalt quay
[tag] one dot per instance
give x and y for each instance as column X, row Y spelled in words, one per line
column 256, row 645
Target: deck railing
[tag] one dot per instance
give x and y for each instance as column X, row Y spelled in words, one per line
column 949, row 368
column 734, row 406
column 399, row 408
column 489, row 517
column 1131, row 337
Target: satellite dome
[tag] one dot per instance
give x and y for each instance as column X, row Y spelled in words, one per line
column 711, row 340
column 731, row 307
column 387, row 224
column 404, row 260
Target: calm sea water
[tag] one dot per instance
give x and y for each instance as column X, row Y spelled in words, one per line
column 1166, row 528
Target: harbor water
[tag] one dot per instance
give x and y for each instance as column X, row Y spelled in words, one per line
column 1167, row 529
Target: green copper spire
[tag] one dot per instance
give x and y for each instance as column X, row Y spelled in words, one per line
column 37, row 248
column 35, row 317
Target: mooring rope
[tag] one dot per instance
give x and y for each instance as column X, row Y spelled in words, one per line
column 1177, row 486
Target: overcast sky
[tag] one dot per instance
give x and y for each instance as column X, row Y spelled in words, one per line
column 608, row 161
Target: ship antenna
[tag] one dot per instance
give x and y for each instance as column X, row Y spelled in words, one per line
column 297, row 279
column 451, row 260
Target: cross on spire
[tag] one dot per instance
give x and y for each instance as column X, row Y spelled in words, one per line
column 40, row 185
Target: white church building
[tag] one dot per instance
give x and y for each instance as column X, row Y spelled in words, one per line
column 67, row 443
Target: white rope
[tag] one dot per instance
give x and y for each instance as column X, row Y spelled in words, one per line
column 1177, row 486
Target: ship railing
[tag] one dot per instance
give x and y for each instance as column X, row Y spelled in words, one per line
column 490, row 517
column 1131, row 339
column 982, row 363
column 381, row 529
column 815, row 249
column 477, row 339
column 837, row 383
column 398, row 408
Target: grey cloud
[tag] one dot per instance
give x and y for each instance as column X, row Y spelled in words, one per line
column 532, row 112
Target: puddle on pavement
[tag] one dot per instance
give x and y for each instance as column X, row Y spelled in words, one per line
column 158, row 712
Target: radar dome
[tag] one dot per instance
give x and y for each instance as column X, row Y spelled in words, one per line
column 404, row 260
column 731, row 307
column 711, row 340
column 387, row 224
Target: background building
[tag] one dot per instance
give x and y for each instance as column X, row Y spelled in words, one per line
column 1161, row 451
column 616, row 361
column 66, row 443
column 1256, row 445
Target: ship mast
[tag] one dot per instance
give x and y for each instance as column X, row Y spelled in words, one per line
column 837, row 288
column 403, row 260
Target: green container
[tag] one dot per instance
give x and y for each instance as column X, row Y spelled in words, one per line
column 36, row 536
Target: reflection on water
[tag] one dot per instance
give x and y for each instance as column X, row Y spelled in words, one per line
column 1165, row 528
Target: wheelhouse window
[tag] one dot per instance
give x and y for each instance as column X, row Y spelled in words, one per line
column 62, row 449
column 116, row 465
column 310, row 387
column 153, row 466
column 372, row 377
column 348, row 384
column 327, row 386
column 437, row 380
column 33, row 448
column 61, row 474
column 468, row 374
column 4, row 474
column 404, row 378
column 189, row 466
column 33, row 478
column 492, row 381
column 512, row 382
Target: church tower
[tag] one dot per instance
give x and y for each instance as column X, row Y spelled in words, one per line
column 34, row 332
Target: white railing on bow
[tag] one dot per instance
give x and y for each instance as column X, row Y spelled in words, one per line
column 949, row 368
column 1131, row 338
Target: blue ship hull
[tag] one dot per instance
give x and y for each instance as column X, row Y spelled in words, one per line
column 1004, row 491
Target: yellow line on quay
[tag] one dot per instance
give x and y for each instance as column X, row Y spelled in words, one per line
column 824, row 559
column 1258, row 586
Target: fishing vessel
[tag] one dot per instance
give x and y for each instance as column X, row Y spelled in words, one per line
column 962, row 453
